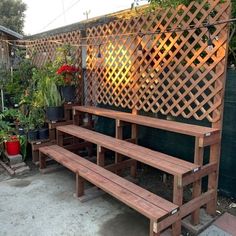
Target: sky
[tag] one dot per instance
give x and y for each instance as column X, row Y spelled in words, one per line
column 44, row 15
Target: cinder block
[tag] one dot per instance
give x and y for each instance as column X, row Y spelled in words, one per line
column 205, row 221
column 13, row 159
column 18, row 165
column 22, row 170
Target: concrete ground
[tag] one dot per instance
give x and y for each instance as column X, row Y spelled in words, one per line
column 43, row 205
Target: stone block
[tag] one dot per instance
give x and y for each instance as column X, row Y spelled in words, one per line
column 13, row 159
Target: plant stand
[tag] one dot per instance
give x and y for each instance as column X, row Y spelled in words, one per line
column 35, row 145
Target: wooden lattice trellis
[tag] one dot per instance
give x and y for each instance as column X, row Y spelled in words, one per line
column 172, row 73
column 44, row 49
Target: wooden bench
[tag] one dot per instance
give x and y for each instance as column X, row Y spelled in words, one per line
column 180, row 169
column 150, row 205
column 204, row 136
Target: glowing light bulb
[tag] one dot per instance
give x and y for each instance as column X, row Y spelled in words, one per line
column 140, row 50
column 210, row 46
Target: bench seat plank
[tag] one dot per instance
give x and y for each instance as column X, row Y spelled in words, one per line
column 155, row 159
column 178, row 127
column 143, row 201
column 154, row 199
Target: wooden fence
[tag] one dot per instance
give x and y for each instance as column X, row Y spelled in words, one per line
column 157, row 61
column 160, row 61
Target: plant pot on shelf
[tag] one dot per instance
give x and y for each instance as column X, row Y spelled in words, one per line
column 21, row 131
column 13, row 146
column 43, row 133
column 32, row 135
column 68, row 93
column 55, row 113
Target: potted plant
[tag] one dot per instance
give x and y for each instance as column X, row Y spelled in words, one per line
column 66, row 72
column 52, row 100
column 12, row 144
column 9, row 141
column 39, row 114
column 68, row 76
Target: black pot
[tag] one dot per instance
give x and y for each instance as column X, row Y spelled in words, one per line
column 21, row 131
column 43, row 133
column 68, row 93
column 32, row 135
column 55, row 113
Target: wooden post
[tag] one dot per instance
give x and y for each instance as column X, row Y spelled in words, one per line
column 178, row 200
column 216, row 148
column 77, row 117
column 197, row 186
column 213, row 178
column 90, row 121
column 90, row 126
column 79, row 185
column 134, row 136
column 59, row 138
column 153, row 229
column 42, row 161
column 119, row 135
column 100, row 156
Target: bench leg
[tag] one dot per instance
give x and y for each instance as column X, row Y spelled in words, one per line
column 119, row 135
column 90, row 149
column 213, row 178
column 100, row 156
column 178, row 200
column 42, row 161
column 134, row 136
column 197, row 186
column 59, row 138
column 77, row 118
column 153, row 229
column 133, row 170
column 79, row 186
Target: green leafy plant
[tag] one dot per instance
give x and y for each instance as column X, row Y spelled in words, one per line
column 50, row 93
column 23, row 146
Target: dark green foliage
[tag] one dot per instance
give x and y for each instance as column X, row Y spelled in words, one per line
column 12, row 14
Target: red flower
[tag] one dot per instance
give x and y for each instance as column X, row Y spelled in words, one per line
column 67, row 69
column 69, row 73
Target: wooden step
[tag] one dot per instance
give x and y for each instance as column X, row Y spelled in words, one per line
column 145, row 202
column 155, row 159
column 173, row 126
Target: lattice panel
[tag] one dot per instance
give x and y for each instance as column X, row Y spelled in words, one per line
column 172, row 73
column 43, row 50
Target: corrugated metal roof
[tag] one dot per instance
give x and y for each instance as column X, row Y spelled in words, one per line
column 10, row 32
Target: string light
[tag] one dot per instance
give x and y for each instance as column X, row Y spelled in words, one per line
column 33, row 43
column 140, row 49
column 210, row 45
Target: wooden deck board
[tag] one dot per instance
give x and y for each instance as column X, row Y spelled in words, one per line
column 173, row 126
column 155, row 159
